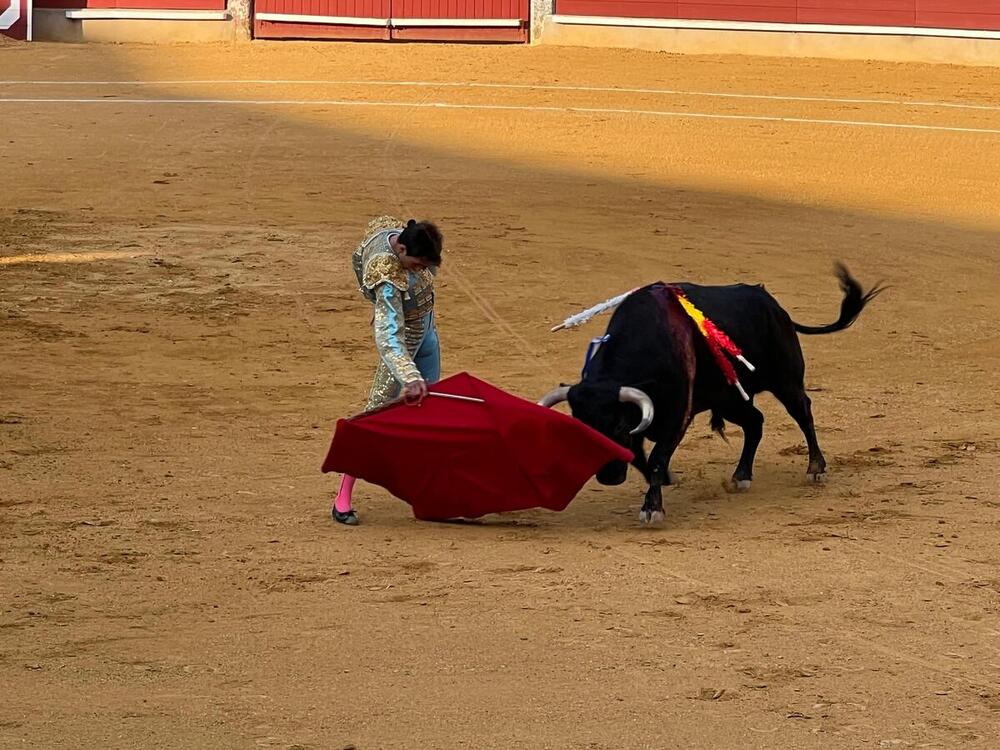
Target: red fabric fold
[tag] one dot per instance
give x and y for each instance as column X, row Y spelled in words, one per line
column 458, row 459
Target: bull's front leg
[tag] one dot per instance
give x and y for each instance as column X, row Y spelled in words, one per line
column 657, row 474
column 640, row 461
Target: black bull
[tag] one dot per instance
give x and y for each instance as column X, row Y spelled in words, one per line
column 655, row 372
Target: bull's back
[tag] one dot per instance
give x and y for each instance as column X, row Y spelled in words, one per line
column 642, row 346
column 736, row 308
column 755, row 321
column 746, row 312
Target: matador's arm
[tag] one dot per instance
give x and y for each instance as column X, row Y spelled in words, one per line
column 390, row 334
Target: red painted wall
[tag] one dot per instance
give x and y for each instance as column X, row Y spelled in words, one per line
column 949, row 14
column 353, row 8
column 443, row 9
column 19, row 30
column 458, row 9
column 398, row 8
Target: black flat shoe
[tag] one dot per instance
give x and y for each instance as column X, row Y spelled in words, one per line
column 350, row 518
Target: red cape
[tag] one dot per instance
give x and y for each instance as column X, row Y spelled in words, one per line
column 451, row 458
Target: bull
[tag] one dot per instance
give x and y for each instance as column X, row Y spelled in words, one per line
column 654, row 373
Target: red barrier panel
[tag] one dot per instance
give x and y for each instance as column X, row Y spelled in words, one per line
column 947, row 14
column 429, row 20
column 15, row 19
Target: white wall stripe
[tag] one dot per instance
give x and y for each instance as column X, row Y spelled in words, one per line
column 506, row 107
column 330, row 20
column 139, row 14
column 394, row 22
column 496, row 23
column 515, row 87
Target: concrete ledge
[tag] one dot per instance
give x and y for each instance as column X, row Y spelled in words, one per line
column 53, row 25
column 843, row 46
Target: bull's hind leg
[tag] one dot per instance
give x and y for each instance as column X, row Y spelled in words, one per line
column 748, row 417
column 799, row 408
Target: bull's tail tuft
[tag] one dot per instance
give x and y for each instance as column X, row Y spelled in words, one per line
column 855, row 299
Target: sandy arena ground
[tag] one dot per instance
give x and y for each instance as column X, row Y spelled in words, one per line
column 179, row 333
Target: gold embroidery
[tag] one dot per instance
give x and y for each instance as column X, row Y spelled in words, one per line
column 382, row 222
column 384, row 268
column 392, row 336
column 385, row 388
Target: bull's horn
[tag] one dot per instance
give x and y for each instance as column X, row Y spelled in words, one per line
column 634, row 396
column 555, row 396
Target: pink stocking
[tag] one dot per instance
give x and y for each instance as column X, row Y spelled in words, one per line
column 343, row 500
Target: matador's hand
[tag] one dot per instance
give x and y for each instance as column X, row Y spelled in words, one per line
column 414, row 392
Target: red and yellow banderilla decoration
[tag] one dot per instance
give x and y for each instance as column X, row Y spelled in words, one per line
column 718, row 342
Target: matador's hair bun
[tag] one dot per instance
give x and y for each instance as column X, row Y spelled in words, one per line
column 422, row 240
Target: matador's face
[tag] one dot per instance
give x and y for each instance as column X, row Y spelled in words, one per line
column 412, row 264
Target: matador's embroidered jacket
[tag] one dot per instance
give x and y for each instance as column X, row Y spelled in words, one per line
column 403, row 301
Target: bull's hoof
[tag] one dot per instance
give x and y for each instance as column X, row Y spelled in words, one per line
column 737, row 486
column 817, row 477
column 651, row 517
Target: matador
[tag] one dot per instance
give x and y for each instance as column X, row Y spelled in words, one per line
column 395, row 266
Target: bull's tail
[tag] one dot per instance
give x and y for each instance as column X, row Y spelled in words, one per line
column 855, row 299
